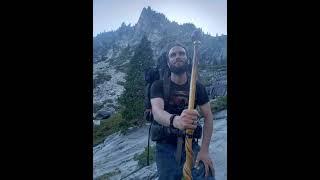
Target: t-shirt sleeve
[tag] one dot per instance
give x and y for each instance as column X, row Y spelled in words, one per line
column 202, row 96
column 156, row 89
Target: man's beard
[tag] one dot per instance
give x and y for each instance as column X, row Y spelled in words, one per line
column 178, row 70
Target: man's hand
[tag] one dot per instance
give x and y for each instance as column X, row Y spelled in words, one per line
column 187, row 120
column 204, row 157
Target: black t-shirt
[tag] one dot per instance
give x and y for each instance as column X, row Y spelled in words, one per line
column 179, row 96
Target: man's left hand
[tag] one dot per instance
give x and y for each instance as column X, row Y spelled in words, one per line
column 204, row 157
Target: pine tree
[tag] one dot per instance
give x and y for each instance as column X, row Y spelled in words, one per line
column 133, row 96
column 124, row 55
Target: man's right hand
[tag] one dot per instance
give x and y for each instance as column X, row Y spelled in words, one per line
column 187, row 120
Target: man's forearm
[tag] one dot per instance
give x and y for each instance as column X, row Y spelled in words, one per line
column 207, row 133
column 162, row 117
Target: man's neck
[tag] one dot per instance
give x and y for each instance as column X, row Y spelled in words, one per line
column 179, row 79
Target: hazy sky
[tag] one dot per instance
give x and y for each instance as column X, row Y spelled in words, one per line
column 210, row 15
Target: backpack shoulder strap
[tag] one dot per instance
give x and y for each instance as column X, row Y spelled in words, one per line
column 147, row 103
column 166, row 90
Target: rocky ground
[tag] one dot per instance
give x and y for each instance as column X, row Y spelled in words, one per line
column 113, row 159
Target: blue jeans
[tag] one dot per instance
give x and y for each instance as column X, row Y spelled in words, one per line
column 169, row 169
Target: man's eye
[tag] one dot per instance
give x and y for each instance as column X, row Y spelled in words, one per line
column 173, row 55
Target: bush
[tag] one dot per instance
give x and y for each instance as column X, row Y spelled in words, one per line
column 107, row 127
column 219, row 104
column 206, row 81
column 110, row 174
column 142, row 158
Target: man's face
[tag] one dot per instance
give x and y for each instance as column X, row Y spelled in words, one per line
column 177, row 60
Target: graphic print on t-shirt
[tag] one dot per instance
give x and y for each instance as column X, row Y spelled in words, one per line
column 179, row 101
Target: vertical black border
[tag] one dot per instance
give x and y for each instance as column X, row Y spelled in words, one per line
column 264, row 59
column 51, row 89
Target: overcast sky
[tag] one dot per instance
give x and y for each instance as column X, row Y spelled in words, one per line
column 210, row 15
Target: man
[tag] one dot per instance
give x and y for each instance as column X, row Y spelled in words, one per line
column 171, row 115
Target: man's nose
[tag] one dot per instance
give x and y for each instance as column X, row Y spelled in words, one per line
column 180, row 58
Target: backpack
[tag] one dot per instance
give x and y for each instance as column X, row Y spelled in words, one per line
column 150, row 76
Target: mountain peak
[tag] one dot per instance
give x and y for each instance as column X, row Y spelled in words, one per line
column 147, row 10
column 148, row 16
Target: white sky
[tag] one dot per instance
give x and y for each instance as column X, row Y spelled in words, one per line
column 210, row 15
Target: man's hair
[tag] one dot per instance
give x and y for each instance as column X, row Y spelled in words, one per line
column 171, row 45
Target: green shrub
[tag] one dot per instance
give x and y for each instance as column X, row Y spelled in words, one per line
column 142, row 158
column 108, row 175
column 219, row 104
column 106, row 128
